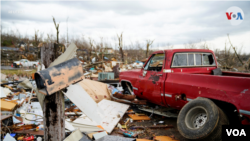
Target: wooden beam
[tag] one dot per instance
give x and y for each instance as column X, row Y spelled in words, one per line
column 53, row 107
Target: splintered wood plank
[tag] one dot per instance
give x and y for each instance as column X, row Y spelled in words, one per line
column 136, row 117
column 164, row 138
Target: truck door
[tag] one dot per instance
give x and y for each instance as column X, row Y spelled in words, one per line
column 151, row 80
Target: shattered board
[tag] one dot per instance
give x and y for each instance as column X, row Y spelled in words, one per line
column 114, row 111
column 106, row 113
column 84, row 102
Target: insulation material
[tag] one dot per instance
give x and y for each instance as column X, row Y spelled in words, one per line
column 97, row 90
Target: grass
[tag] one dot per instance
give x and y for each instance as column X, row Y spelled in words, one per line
column 18, row 72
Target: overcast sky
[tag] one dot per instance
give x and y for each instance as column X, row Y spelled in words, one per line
column 172, row 22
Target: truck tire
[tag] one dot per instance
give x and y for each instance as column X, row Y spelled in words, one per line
column 34, row 66
column 201, row 119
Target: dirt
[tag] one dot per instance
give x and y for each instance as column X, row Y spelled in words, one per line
column 150, row 133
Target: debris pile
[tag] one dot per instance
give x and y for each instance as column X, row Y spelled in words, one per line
column 101, row 111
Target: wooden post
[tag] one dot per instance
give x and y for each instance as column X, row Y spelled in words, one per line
column 53, row 107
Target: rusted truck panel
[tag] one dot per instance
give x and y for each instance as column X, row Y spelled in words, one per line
column 59, row 76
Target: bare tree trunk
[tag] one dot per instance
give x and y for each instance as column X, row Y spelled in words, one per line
column 57, row 30
column 120, row 46
column 235, row 50
column 148, row 44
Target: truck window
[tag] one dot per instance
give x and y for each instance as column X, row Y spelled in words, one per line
column 180, row 60
column 198, row 59
column 193, row 59
column 155, row 63
column 208, row 59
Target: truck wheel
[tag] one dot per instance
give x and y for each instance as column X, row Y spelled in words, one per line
column 201, row 119
column 34, row 66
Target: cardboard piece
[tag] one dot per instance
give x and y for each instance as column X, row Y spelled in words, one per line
column 96, row 90
column 7, row 106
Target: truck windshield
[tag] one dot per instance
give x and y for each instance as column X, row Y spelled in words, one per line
column 193, row 59
column 155, row 63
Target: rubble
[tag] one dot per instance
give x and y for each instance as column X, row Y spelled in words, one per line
column 93, row 110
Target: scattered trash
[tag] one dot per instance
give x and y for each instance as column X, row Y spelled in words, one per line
column 92, row 109
column 8, row 137
column 127, row 133
column 99, row 135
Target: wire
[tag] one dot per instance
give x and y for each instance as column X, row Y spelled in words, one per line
column 34, row 119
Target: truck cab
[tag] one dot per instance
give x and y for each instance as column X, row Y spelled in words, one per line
column 184, row 78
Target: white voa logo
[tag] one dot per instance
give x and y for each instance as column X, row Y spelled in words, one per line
column 236, row 132
column 235, row 15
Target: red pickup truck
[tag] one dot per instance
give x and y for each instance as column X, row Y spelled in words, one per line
column 189, row 80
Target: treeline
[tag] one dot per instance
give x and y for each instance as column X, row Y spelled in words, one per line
column 229, row 58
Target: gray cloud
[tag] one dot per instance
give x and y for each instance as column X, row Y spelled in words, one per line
column 172, row 22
